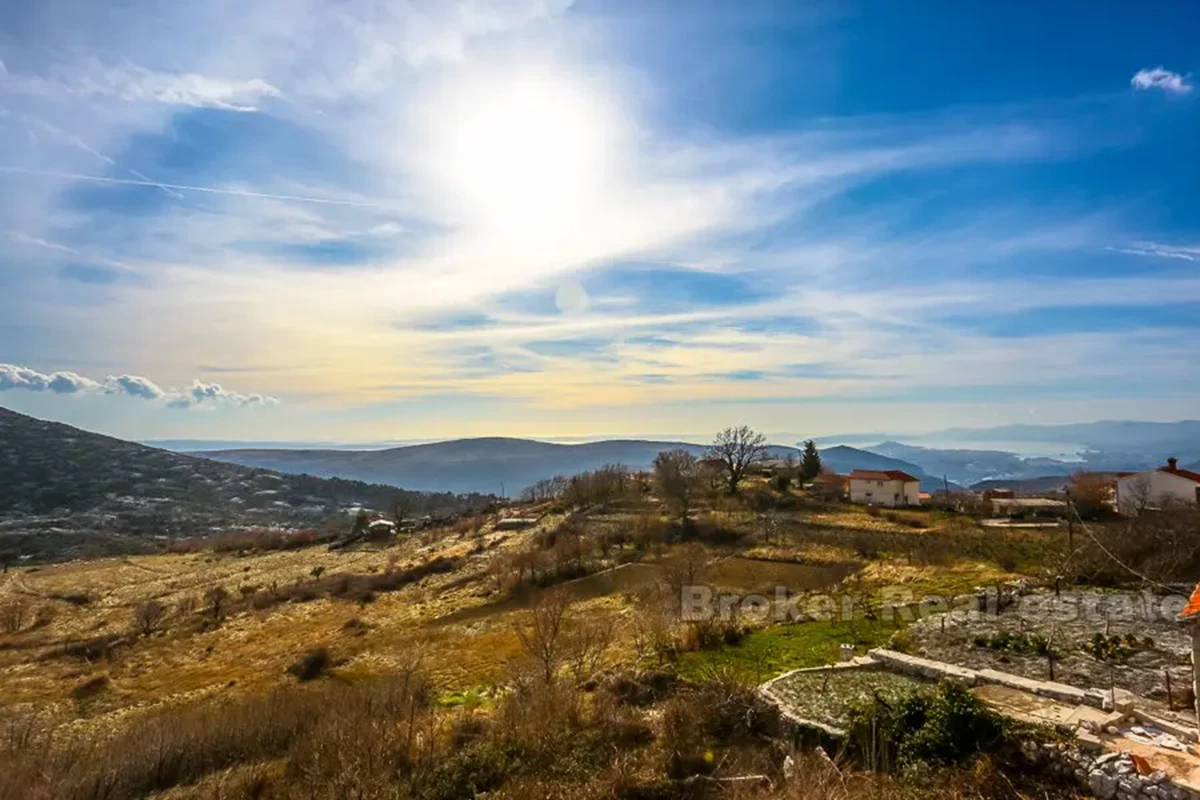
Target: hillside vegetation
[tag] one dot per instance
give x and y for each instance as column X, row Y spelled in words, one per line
column 535, row 650
column 64, row 490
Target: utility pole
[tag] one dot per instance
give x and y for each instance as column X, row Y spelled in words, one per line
column 1070, row 527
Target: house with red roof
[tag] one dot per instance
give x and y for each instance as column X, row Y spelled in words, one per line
column 1163, row 487
column 884, row 487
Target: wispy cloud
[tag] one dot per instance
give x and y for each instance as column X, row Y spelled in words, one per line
column 1180, row 252
column 200, row 394
column 484, row 199
column 1162, row 79
column 132, row 83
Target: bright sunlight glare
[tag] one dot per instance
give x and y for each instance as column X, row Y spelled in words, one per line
column 525, row 156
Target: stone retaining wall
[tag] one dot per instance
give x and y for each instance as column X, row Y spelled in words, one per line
column 1111, row 776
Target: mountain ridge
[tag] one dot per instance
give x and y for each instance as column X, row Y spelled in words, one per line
column 483, row 463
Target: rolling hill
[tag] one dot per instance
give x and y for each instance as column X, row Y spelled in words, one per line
column 501, row 464
column 60, row 480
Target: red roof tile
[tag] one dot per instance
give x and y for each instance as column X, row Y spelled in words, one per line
column 1192, row 609
column 883, row 475
column 1183, row 473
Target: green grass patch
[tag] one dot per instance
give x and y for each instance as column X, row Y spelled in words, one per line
column 464, row 698
column 768, row 652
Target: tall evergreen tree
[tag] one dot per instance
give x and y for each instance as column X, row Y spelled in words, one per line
column 810, row 461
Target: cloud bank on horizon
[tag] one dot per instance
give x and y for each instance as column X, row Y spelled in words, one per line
column 198, row 395
column 552, row 218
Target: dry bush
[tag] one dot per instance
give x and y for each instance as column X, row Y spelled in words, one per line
column 14, row 614
column 187, row 605
column 148, row 616
column 312, row 665
column 587, row 643
column 723, row 712
column 542, row 639
column 44, row 617
column 357, row 587
column 686, row 568
column 655, row 630
column 375, row 741
column 91, row 650
column 90, row 688
column 1091, row 494
column 73, row 598
column 1162, row 545
column 216, row 603
column 310, row 726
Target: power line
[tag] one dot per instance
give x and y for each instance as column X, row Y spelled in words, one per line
column 1109, row 553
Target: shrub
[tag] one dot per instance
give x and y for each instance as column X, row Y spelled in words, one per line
column 1025, row 644
column 148, row 616
column 14, row 614
column 947, row 727
column 90, row 688
column 311, row 665
column 91, row 650
column 74, row 598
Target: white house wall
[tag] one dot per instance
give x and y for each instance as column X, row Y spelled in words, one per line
column 1154, row 489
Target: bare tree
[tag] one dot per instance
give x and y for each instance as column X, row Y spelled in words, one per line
column 677, row 474
column 148, row 616
column 14, row 614
column 1091, row 493
column 686, row 568
column 401, row 506
column 542, row 639
column 738, row 449
column 586, row 643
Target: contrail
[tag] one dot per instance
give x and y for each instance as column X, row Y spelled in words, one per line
column 49, row 173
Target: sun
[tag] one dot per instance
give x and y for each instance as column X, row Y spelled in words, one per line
column 527, row 155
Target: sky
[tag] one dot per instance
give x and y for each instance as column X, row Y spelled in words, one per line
column 353, row 220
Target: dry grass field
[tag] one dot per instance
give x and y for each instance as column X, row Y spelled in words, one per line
column 110, row 655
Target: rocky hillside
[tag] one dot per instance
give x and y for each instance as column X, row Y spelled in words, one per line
column 58, row 479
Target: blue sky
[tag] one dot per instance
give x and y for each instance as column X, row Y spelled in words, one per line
column 358, row 221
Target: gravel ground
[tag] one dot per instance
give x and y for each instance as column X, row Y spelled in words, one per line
column 826, row 696
column 1070, row 622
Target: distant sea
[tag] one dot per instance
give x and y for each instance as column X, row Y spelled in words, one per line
column 1063, row 451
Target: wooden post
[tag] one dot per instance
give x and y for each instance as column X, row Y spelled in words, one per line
column 1070, row 527
column 1170, row 697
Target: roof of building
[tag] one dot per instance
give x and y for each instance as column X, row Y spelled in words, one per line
column 830, row 478
column 1029, row 502
column 1192, row 610
column 1170, row 469
column 1183, row 473
column 883, row 475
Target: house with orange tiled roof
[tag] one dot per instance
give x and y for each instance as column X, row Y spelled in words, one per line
column 884, row 487
column 830, row 485
column 1157, row 488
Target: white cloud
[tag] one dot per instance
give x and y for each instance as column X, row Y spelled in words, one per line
column 13, row 377
column 215, row 393
column 1180, row 252
column 134, row 83
column 134, row 386
column 1160, row 78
